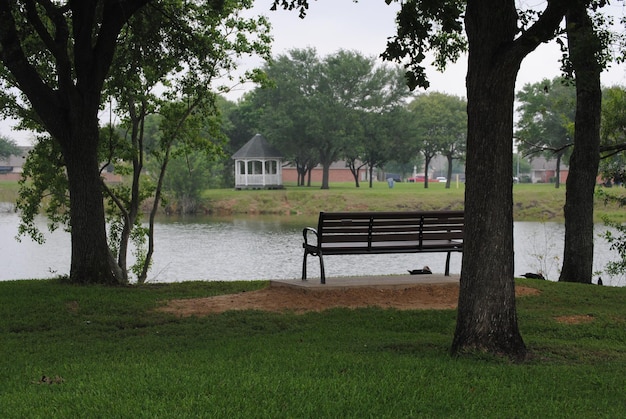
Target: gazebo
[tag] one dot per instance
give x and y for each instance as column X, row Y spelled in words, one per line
column 258, row 165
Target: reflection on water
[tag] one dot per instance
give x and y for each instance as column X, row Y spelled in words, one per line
column 210, row 248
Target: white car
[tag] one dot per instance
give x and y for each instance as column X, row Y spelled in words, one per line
column 442, row 179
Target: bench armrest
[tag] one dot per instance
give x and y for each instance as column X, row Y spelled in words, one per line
column 305, row 234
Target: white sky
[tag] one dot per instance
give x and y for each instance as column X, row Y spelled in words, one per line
column 331, row 25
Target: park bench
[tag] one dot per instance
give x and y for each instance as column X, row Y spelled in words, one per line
column 362, row 233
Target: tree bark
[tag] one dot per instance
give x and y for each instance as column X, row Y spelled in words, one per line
column 557, row 180
column 583, row 45
column 427, row 159
column 91, row 259
column 449, row 171
column 325, row 174
column 487, row 318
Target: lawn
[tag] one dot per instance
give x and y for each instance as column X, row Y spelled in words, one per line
column 531, row 202
column 105, row 352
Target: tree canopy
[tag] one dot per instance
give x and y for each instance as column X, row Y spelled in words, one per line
column 7, row 147
column 546, row 124
column 56, row 58
column 440, row 127
column 321, row 108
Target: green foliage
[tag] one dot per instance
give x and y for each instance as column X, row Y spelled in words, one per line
column 546, row 124
column 189, row 174
column 347, row 91
column 617, row 241
column 438, row 126
column 424, row 27
column 43, row 188
column 8, row 147
column 616, row 238
column 613, row 138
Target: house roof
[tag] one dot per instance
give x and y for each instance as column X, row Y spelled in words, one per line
column 257, row 147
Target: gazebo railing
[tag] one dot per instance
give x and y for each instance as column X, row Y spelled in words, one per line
column 258, row 180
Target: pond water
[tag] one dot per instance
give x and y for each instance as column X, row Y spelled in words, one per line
column 249, row 248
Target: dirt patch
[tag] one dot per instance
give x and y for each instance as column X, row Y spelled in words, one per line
column 420, row 297
column 575, row 319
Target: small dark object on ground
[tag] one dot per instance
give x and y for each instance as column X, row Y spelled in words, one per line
column 600, row 281
column 532, row 275
column 424, row 271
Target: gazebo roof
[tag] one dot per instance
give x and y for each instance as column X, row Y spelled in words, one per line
column 257, row 147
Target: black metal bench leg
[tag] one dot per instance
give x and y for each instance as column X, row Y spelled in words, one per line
column 304, row 265
column 322, row 271
column 447, row 273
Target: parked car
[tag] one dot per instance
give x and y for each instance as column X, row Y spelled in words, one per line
column 416, row 179
column 442, row 179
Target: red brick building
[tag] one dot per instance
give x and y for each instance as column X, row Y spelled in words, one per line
column 339, row 172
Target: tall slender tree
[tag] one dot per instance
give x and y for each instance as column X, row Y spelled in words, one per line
column 585, row 52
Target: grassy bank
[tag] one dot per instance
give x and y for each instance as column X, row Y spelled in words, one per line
column 532, row 202
column 105, row 352
column 8, row 190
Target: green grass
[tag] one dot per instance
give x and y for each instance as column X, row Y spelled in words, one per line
column 8, row 190
column 532, row 202
column 111, row 355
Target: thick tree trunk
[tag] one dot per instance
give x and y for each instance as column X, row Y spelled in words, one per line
column 92, row 261
column 487, row 318
column 581, row 181
column 325, row 175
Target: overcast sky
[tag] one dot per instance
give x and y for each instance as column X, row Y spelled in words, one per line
column 331, row 25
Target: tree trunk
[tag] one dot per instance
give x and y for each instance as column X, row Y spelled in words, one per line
column 557, row 180
column 427, row 160
column 301, row 170
column 92, row 261
column 355, row 172
column 449, row 173
column 325, row 174
column 131, row 213
column 581, row 180
column 487, row 318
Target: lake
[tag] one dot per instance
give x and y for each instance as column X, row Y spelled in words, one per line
column 249, row 248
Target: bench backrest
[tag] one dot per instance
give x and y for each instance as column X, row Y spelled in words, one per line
column 385, row 229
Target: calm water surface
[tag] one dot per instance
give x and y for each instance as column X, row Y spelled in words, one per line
column 204, row 248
